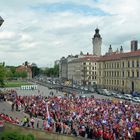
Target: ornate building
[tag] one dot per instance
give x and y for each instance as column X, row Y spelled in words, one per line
column 117, row 70
column 120, row 70
column 97, row 42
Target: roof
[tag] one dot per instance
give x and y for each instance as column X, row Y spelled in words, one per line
column 118, row 56
column 85, row 59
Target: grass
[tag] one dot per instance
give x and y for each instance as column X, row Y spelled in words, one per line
column 39, row 135
column 15, row 83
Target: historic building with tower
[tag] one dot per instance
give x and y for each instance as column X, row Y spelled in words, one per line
column 115, row 70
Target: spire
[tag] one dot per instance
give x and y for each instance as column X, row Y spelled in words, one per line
column 81, row 53
column 110, row 49
column 121, row 49
column 97, row 33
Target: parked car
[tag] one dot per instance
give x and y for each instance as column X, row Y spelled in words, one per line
column 127, row 97
column 119, row 96
column 106, row 92
column 136, row 99
column 113, row 93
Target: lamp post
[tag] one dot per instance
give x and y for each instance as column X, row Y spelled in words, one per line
column 1, row 20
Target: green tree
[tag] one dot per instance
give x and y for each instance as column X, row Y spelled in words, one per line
column 52, row 72
column 2, row 75
column 23, row 74
column 35, row 70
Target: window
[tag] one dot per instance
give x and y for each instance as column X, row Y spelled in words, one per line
column 128, row 74
column 137, row 74
column 123, row 83
column 132, row 73
column 117, row 65
column 117, row 82
column 133, row 64
column 137, row 63
column 123, row 64
column 128, row 64
column 123, row 74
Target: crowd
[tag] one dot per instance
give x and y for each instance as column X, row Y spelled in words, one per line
column 88, row 117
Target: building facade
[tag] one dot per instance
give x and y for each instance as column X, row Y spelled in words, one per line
column 83, row 70
column 120, row 71
column 63, row 66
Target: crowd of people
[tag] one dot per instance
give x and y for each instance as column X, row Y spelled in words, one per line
column 87, row 117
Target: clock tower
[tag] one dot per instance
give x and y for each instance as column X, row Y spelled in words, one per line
column 97, row 42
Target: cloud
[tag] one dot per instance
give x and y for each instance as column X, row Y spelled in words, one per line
column 43, row 31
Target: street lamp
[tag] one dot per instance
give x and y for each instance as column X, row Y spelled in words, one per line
column 1, row 20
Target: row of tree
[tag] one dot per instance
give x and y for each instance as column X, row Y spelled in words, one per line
column 10, row 73
column 51, row 72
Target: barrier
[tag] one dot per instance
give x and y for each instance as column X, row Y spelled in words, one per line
column 29, row 87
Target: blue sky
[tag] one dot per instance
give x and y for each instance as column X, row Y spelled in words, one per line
column 69, row 7
column 43, row 31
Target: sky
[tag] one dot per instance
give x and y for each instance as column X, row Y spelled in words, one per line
column 42, row 31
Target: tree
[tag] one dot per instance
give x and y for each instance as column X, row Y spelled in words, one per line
column 52, row 71
column 23, row 74
column 2, row 75
column 35, row 70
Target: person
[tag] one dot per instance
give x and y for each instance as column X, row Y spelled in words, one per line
column 16, row 106
column 32, row 122
column 25, row 121
column 12, row 106
column 37, row 125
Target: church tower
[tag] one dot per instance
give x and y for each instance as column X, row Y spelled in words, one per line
column 97, row 42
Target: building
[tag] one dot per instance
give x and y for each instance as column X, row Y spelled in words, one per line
column 120, row 70
column 116, row 70
column 83, row 70
column 26, row 68
column 63, row 66
column 97, row 42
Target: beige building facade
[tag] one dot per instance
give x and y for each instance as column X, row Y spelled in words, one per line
column 83, row 70
column 119, row 71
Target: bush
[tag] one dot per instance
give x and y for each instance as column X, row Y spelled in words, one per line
column 16, row 136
